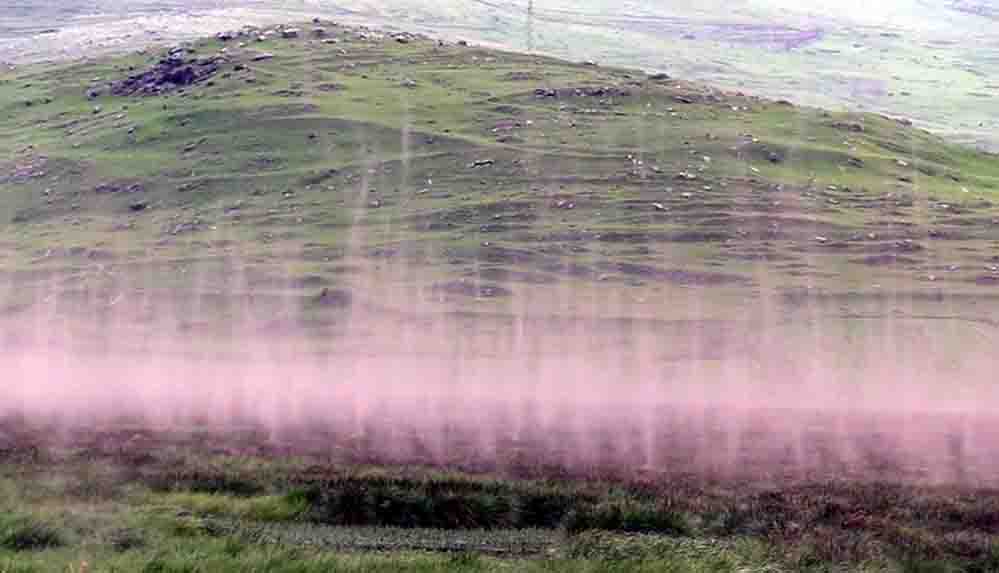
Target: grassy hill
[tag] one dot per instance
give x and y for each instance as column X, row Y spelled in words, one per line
column 482, row 178
column 507, row 168
column 458, row 142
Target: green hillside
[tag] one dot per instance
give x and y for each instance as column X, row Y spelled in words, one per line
column 479, row 162
column 311, row 155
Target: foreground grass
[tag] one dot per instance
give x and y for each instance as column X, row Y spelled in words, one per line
column 204, row 512
column 228, row 556
column 184, row 549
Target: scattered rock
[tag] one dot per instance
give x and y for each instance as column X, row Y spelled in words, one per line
column 289, row 33
column 115, row 188
column 183, row 228
column 850, row 126
column 262, row 57
column 330, row 87
column 481, row 163
column 319, row 32
column 194, row 145
column 172, row 72
column 138, row 206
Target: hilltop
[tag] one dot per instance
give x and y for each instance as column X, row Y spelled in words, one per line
column 931, row 62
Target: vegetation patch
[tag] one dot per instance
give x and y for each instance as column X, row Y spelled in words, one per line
column 22, row 533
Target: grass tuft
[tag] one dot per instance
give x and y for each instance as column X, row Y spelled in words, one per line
column 25, row 534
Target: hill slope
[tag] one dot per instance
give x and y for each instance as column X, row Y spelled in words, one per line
column 282, row 145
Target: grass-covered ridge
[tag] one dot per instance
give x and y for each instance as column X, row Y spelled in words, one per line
column 466, row 155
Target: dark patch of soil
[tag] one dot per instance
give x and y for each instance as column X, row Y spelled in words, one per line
column 507, row 110
column 758, row 256
column 887, row 259
column 987, row 280
column 574, row 270
column 902, row 246
column 696, row 237
column 522, row 77
column 284, row 110
column 797, row 297
column 979, row 222
column 309, row 282
column 320, row 177
column 674, row 276
column 470, row 289
column 487, row 216
column 693, row 236
column 331, row 87
column 507, row 276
